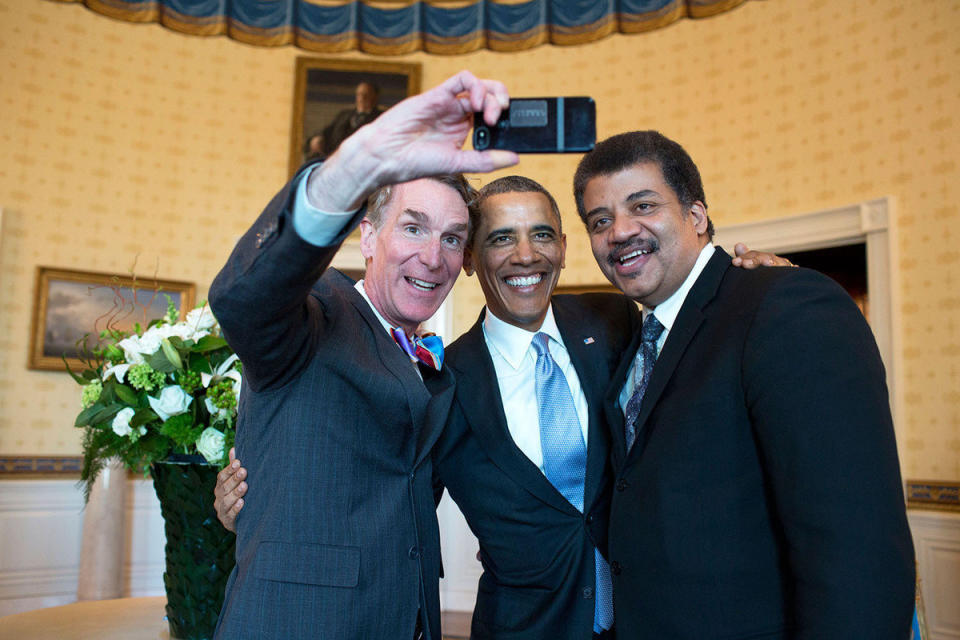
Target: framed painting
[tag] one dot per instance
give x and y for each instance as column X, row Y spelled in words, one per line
column 332, row 98
column 71, row 308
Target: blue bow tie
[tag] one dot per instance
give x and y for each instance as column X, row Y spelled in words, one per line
column 428, row 348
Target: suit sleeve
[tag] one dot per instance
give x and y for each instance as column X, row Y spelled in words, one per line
column 815, row 389
column 262, row 299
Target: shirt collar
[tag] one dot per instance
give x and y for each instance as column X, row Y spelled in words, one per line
column 358, row 285
column 511, row 342
column 667, row 311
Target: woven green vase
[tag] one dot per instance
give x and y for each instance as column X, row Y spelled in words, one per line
column 200, row 552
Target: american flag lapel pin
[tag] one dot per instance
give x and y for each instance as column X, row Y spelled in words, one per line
column 589, row 340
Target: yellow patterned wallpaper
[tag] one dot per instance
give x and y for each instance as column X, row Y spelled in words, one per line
column 124, row 142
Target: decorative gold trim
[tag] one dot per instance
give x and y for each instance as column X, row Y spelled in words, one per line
column 626, row 23
column 938, row 495
column 19, row 467
column 527, row 40
column 640, row 22
column 708, row 8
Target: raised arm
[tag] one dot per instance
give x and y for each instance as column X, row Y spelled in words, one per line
column 262, row 295
column 421, row 136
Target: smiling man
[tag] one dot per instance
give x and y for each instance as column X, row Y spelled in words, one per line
column 757, row 489
column 527, row 465
column 337, row 418
column 524, row 454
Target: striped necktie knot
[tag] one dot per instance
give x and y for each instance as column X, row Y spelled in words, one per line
column 650, row 333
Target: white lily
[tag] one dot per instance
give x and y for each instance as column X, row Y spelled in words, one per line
column 118, row 370
column 223, row 371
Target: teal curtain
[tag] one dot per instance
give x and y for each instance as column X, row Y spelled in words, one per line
column 393, row 27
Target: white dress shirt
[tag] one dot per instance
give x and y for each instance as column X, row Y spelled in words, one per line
column 317, row 227
column 386, row 325
column 514, row 361
column 666, row 312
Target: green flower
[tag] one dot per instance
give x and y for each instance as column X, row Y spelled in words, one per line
column 145, row 377
column 91, row 393
column 189, row 380
column 221, row 395
column 172, row 313
column 181, row 430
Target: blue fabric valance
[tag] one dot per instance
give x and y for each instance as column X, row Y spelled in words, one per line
column 393, row 27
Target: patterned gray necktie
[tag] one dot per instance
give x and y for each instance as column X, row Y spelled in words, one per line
column 565, row 458
column 649, row 334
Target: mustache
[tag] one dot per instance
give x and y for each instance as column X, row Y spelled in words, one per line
column 629, row 246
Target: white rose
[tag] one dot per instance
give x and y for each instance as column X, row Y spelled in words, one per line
column 121, row 422
column 210, row 444
column 201, row 318
column 150, row 341
column 173, row 401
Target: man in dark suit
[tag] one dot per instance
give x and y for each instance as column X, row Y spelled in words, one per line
column 757, row 491
column 365, row 110
column 544, row 574
column 540, row 542
column 336, row 421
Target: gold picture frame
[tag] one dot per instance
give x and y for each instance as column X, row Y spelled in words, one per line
column 69, row 305
column 324, row 87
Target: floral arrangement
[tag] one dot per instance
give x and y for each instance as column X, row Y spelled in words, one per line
column 171, row 388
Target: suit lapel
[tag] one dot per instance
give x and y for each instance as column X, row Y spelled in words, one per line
column 589, row 362
column 611, row 404
column 684, row 328
column 441, row 386
column 475, row 374
column 398, row 364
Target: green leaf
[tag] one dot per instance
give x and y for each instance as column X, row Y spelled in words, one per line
column 126, row 395
column 209, row 343
column 76, row 378
column 97, row 414
column 199, row 364
column 83, row 419
column 142, row 417
column 171, row 353
column 160, row 362
column 89, row 375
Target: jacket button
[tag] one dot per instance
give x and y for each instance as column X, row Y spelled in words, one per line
column 414, row 553
column 621, row 484
column 589, row 517
column 587, row 592
column 615, row 568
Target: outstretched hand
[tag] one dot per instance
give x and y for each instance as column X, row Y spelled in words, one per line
column 421, row 136
column 229, row 492
column 750, row 259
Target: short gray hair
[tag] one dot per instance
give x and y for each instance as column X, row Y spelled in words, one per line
column 379, row 200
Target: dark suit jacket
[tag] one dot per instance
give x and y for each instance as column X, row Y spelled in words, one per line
column 342, row 127
column 763, row 496
column 537, row 549
column 338, row 536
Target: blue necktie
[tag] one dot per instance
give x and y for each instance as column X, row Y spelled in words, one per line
column 649, row 334
column 565, row 458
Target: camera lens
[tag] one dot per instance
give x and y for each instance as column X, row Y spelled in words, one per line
column 481, row 138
